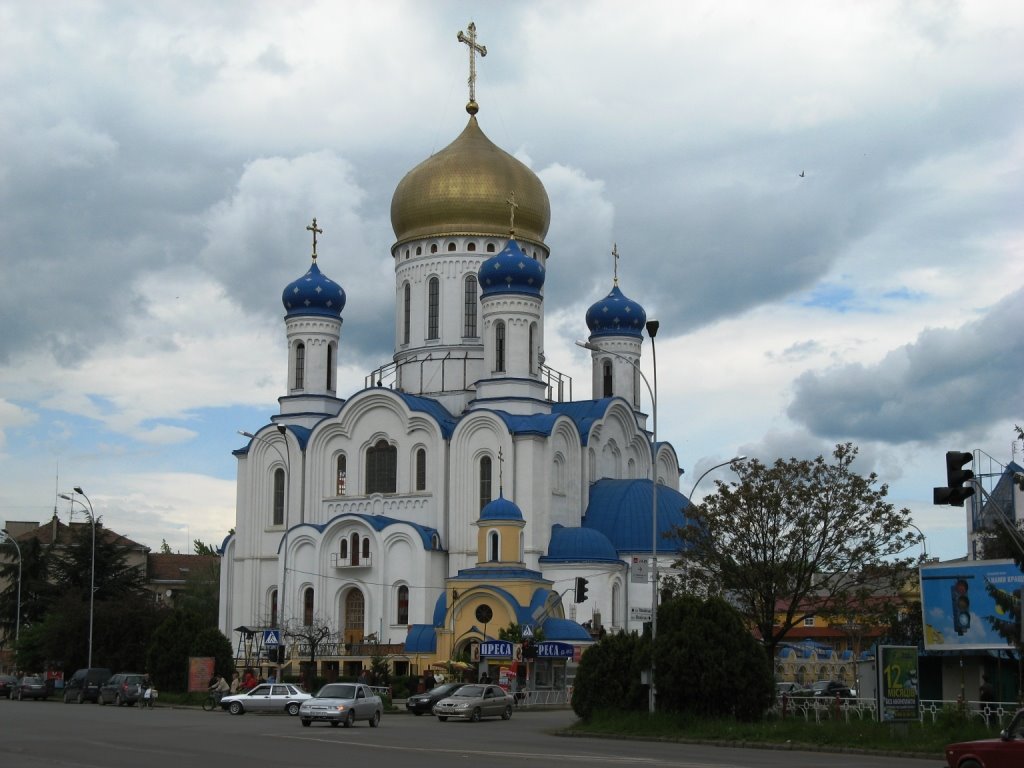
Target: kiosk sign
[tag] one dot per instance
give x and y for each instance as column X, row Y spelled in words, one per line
column 554, row 651
column 501, row 649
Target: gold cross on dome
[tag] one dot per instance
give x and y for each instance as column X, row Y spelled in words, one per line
column 615, row 262
column 316, row 231
column 512, row 205
column 474, row 49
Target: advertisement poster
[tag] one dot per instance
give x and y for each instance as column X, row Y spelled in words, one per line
column 200, row 670
column 971, row 605
column 897, row 684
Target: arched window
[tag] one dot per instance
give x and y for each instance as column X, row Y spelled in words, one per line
column 419, row 250
column 273, row 608
column 307, row 607
column 615, row 605
column 433, row 307
column 499, row 346
column 469, row 308
column 451, row 246
column 558, row 474
column 485, row 481
column 278, row 496
column 366, row 547
column 403, row 605
column 355, row 614
column 381, row 468
column 533, row 353
column 522, row 546
column 343, row 554
column 606, row 378
column 355, row 549
column 421, row 469
column 341, row 475
column 490, row 247
column 493, row 547
column 406, row 312
column 435, row 541
column 433, row 248
column 330, row 367
column 471, row 247
column 636, row 387
column 300, row 365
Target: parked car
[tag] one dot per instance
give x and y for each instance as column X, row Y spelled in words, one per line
column 830, row 689
column 85, row 684
column 473, row 702
column 789, row 689
column 123, row 689
column 424, row 702
column 31, row 687
column 1005, row 752
column 266, row 697
column 342, row 703
column 7, row 684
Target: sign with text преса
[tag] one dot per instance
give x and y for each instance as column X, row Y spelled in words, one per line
column 960, row 606
column 496, row 649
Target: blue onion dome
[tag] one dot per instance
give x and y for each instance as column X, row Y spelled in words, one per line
column 511, row 271
column 313, row 294
column 501, row 509
column 615, row 315
column 576, row 544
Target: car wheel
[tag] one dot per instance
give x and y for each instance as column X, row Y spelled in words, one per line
column 19, row 696
column 118, row 700
column 475, row 717
column 66, row 699
column 970, row 764
column 292, row 708
column 417, row 713
column 305, row 722
column 349, row 719
column 507, row 714
column 442, row 718
column 334, row 723
column 236, row 708
column 81, row 697
column 375, row 720
column 101, row 701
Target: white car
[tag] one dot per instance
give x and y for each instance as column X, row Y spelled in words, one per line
column 267, row 697
column 342, row 703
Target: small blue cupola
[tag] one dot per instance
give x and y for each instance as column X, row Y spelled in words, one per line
column 500, row 537
column 313, row 294
column 616, row 315
column 511, row 271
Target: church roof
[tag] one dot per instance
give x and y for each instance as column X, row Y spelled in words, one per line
column 313, row 294
column 579, row 545
column 511, row 271
column 432, row 407
column 622, row 511
column 584, row 413
column 421, row 639
column 501, row 509
column 616, row 315
column 378, row 523
column 564, row 630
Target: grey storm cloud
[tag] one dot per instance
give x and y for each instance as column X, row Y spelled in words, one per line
column 947, row 381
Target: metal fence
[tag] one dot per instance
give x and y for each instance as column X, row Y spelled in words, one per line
column 818, row 709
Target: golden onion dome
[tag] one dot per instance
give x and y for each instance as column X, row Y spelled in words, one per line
column 464, row 189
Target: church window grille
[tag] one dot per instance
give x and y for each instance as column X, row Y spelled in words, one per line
column 330, row 367
column 403, row 605
column 278, row 497
column 406, row 312
column 300, row 365
column 451, row 246
column 421, row 469
column 433, row 307
column 355, row 615
column 490, row 247
column 307, row 607
column 470, row 305
column 485, row 481
column 606, row 378
column 493, row 547
column 381, row 468
column 499, row 347
column 273, row 608
column 342, row 474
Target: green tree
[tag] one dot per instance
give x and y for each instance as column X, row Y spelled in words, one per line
column 707, row 662
column 37, row 591
column 608, row 677
column 797, row 539
column 202, row 548
column 180, row 636
column 115, row 578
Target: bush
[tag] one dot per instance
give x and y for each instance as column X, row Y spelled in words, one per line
column 608, row 677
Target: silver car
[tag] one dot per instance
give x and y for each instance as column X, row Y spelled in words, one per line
column 342, row 703
column 267, row 697
column 472, row 702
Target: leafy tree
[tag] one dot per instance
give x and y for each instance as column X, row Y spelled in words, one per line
column 797, row 539
column 180, row 636
column 707, row 663
column 37, row 591
column 202, row 548
column 115, row 578
column 608, row 677
column 165, row 548
column 513, row 633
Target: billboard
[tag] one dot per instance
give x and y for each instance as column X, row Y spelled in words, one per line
column 897, row 683
column 971, row 605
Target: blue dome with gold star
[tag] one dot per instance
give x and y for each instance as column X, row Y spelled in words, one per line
column 616, row 315
column 313, row 294
column 501, row 509
column 511, row 271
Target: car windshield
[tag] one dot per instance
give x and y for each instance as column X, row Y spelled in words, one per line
column 32, row 680
column 470, row 692
column 337, row 691
column 445, row 690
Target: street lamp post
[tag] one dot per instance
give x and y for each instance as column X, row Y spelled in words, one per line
column 709, row 470
column 652, row 330
column 92, row 566
column 4, row 535
column 285, row 457
column 924, row 541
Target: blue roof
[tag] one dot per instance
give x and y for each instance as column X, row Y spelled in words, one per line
column 579, row 545
column 583, row 414
column 313, row 294
column 622, row 511
column 421, row 639
column 511, row 271
column 616, row 315
column 528, row 424
column 431, row 407
column 501, row 509
column 556, row 629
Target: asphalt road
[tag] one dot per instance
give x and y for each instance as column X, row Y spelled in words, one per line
column 48, row 734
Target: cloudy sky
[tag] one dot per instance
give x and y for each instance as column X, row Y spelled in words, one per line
column 820, row 202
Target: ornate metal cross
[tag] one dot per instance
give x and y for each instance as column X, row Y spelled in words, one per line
column 615, row 262
column 316, row 231
column 474, row 48
column 512, row 205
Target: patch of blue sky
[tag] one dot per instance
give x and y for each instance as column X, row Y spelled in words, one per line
column 905, row 294
column 838, row 298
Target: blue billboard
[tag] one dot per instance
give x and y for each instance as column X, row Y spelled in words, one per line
column 971, row 605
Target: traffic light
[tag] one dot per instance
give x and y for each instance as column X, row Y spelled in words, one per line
column 961, row 607
column 581, row 590
column 958, row 487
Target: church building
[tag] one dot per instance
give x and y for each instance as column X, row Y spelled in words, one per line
column 462, row 491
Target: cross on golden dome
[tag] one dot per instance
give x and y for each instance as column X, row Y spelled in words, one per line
column 512, row 205
column 474, row 49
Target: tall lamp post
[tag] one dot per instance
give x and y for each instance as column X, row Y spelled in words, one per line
column 5, row 536
column 92, row 567
column 709, row 470
column 285, row 457
column 924, row 541
column 652, row 331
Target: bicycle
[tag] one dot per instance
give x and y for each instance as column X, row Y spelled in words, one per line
column 212, row 701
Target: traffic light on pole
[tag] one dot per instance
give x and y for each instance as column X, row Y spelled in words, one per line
column 958, row 487
column 581, row 590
